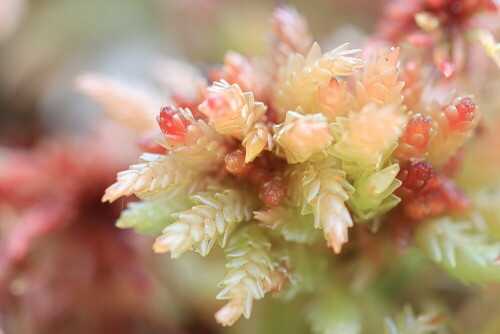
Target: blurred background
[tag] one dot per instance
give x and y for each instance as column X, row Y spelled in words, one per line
column 68, row 269
column 46, row 43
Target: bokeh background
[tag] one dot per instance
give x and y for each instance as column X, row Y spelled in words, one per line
column 46, row 43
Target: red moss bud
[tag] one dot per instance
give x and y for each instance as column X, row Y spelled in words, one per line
column 273, row 191
column 416, row 175
column 236, row 165
column 462, row 115
column 171, row 122
column 418, row 131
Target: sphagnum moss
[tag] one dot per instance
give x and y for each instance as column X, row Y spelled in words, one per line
column 362, row 145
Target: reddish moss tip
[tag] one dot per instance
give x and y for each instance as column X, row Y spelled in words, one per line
column 461, row 114
column 418, row 131
column 273, row 191
column 236, row 165
column 466, row 108
column 171, row 122
column 416, row 175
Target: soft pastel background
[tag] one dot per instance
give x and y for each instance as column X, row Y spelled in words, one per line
column 51, row 41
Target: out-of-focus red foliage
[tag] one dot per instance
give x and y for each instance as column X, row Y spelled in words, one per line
column 64, row 267
column 398, row 19
column 435, row 25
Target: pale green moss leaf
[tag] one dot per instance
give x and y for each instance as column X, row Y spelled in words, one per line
column 462, row 248
column 151, row 215
column 374, row 193
column 290, row 223
column 408, row 323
